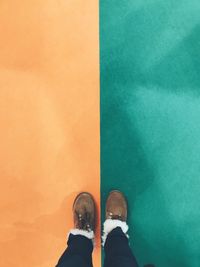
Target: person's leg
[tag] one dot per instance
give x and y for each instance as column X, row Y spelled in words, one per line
column 115, row 240
column 80, row 241
column 78, row 252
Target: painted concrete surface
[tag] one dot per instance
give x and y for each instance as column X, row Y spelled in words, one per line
column 49, row 117
column 150, row 124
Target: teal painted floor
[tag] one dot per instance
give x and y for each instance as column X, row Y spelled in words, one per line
column 150, row 124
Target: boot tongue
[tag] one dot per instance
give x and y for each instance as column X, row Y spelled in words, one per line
column 115, row 216
column 84, row 222
column 87, row 222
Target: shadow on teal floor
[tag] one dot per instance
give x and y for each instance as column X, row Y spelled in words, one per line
column 150, row 124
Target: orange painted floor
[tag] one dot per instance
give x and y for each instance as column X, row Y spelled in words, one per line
column 49, row 117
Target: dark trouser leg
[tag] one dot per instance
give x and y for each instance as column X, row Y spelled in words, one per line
column 117, row 250
column 78, row 252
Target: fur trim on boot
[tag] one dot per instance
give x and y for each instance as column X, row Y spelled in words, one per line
column 89, row 235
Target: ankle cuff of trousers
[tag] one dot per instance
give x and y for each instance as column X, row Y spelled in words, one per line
column 110, row 225
column 79, row 250
column 89, row 235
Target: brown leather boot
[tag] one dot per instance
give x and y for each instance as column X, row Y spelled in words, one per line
column 116, row 206
column 84, row 211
